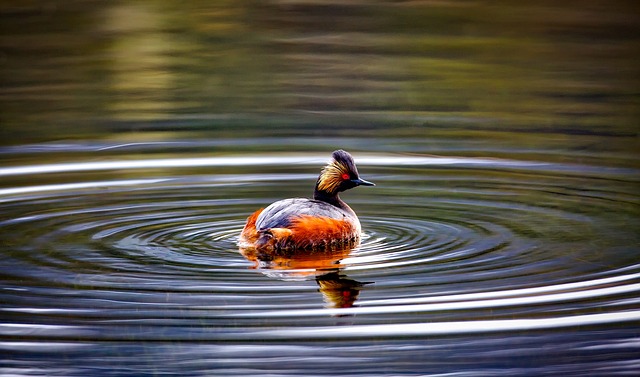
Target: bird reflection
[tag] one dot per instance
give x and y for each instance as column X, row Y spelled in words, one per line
column 338, row 290
column 324, row 266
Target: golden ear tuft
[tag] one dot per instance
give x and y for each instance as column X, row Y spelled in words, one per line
column 332, row 175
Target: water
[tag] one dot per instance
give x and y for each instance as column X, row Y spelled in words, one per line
column 489, row 264
column 501, row 238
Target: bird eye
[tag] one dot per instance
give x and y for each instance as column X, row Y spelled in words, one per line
column 345, row 176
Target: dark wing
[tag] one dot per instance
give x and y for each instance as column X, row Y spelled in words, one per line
column 281, row 213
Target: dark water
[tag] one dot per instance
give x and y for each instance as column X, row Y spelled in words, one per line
column 501, row 238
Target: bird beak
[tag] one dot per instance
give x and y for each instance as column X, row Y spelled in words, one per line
column 362, row 182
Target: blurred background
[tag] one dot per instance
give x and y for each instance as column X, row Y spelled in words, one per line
column 463, row 77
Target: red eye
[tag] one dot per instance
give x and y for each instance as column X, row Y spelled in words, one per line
column 345, row 176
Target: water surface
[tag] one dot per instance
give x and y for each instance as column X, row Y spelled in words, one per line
column 478, row 261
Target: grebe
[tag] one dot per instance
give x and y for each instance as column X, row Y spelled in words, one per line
column 308, row 224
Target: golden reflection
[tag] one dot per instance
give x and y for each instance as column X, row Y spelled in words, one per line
column 140, row 80
column 324, row 266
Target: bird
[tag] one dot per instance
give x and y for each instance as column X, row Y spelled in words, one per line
column 301, row 224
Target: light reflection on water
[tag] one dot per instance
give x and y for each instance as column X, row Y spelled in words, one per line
column 468, row 254
column 253, row 161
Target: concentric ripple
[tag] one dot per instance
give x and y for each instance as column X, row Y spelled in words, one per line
column 452, row 247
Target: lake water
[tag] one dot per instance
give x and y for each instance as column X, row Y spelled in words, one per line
column 501, row 238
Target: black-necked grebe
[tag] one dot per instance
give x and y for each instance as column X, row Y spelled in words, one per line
column 306, row 224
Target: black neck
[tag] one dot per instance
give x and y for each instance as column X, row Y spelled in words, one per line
column 332, row 199
column 328, row 197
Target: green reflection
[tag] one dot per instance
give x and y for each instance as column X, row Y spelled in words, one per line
column 461, row 70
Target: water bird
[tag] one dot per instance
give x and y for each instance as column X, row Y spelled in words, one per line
column 323, row 222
